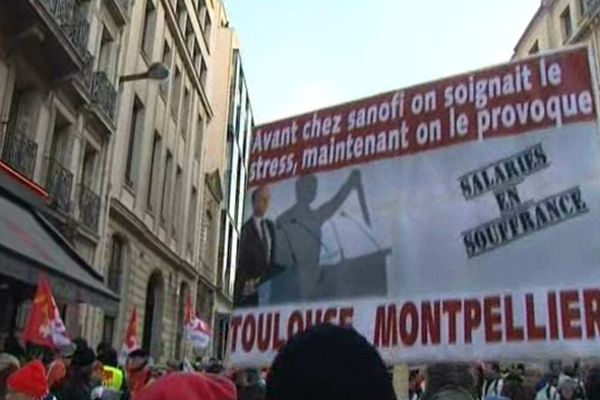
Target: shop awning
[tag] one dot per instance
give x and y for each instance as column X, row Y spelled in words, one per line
column 30, row 246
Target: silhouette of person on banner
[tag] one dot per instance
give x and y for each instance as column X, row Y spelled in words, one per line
column 302, row 225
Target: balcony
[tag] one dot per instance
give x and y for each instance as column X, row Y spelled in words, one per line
column 119, row 10
column 20, row 152
column 60, row 182
column 104, row 96
column 51, row 34
column 89, row 208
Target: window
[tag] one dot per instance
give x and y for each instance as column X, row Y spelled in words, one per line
column 191, row 229
column 115, row 268
column 88, row 172
column 203, row 73
column 149, row 28
column 185, row 114
column 154, row 160
column 190, row 39
column 181, row 15
column 105, row 55
column 535, row 48
column 166, row 59
column 199, row 136
column 207, row 28
column 177, row 201
column 176, row 93
column 166, row 189
column 135, row 134
column 108, row 329
column 565, row 22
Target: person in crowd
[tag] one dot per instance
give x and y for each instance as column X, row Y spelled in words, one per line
column 518, row 389
column 189, row 386
column 547, row 388
column 78, row 383
column 492, row 381
column 415, row 385
column 450, row 381
column 328, row 362
column 113, row 377
column 215, row 366
column 8, row 365
column 250, row 385
column 28, row 382
column 174, row 366
column 139, row 371
column 57, row 369
column 568, row 389
column 592, row 383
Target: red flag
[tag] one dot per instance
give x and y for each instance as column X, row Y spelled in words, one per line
column 196, row 330
column 131, row 342
column 44, row 325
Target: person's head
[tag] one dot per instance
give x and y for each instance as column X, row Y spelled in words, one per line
column 66, row 353
column 28, row 383
column 261, row 199
column 80, row 342
column 306, row 189
column 189, row 386
column 138, row 360
column 83, row 362
column 109, row 357
column 566, row 388
column 329, row 362
column 450, row 381
column 592, row 383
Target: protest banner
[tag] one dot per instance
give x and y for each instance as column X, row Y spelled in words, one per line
column 454, row 220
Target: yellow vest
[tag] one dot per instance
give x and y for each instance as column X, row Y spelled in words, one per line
column 112, row 377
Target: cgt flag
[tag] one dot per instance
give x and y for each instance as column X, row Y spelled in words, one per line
column 44, row 325
column 131, row 342
column 195, row 329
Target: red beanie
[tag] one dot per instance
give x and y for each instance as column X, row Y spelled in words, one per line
column 29, row 380
column 189, row 386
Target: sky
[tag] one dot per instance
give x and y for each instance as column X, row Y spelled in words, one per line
column 301, row 55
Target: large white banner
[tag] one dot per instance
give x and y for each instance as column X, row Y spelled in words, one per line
column 454, row 220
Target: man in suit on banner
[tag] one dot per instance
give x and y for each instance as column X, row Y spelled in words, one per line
column 257, row 250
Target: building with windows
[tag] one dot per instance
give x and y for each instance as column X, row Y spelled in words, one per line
column 58, row 74
column 229, row 136
column 558, row 23
column 157, row 178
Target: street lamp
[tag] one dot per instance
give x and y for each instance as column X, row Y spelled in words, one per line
column 157, row 71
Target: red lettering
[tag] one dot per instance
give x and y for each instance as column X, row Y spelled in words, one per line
column 591, row 301
column 319, row 317
column 248, row 333
column 277, row 342
column 431, row 323
column 409, row 310
column 493, row 319
column 235, row 326
column 346, row 316
column 386, row 326
column 534, row 332
column 295, row 324
column 513, row 333
column 330, row 315
column 570, row 314
column 472, row 318
column 452, row 308
column 264, row 333
column 553, row 315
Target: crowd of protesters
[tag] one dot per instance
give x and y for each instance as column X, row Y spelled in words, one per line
column 324, row 363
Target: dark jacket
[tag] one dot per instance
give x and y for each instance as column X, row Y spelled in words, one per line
column 252, row 261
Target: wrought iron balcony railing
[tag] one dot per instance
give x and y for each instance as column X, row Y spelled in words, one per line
column 89, row 208
column 71, row 21
column 104, row 94
column 60, row 183
column 20, row 152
